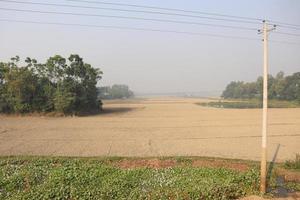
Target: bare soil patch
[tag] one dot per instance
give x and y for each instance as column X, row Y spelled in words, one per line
column 167, row 163
column 291, row 196
column 157, row 127
column 221, row 164
column 148, row 163
column 289, row 175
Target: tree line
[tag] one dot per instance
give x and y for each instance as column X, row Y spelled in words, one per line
column 59, row 85
column 115, row 92
column 280, row 87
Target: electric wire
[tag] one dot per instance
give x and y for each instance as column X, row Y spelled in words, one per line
column 284, row 33
column 102, row 8
column 163, row 8
column 281, row 24
column 285, row 24
column 125, row 17
column 130, row 28
column 285, row 42
column 278, row 23
column 273, row 22
column 148, row 30
column 288, row 27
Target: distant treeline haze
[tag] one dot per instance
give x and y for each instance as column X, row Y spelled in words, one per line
column 280, row 87
column 115, row 92
column 59, row 85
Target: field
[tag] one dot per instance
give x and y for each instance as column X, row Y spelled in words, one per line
column 154, row 127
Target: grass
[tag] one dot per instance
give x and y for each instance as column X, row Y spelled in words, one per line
column 292, row 186
column 250, row 103
column 91, row 178
column 293, row 164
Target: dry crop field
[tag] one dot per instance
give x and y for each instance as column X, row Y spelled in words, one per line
column 154, row 127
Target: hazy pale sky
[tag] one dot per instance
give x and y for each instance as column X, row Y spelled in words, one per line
column 156, row 62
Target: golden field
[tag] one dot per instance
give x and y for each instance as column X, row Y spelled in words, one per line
column 154, row 127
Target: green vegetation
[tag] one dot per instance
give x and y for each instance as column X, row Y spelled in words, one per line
column 115, row 92
column 59, row 85
column 283, row 92
column 293, row 172
column 71, row 178
column 293, row 164
column 250, row 103
column 280, row 87
column 292, row 186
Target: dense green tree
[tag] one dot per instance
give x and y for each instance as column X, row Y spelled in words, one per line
column 240, row 90
column 279, row 87
column 61, row 85
column 21, row 89
column 4, row 104
column 291, row 89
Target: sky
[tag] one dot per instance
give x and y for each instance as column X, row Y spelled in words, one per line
column 157, row 62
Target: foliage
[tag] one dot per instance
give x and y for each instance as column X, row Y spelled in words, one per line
column 293, row 164
column 53, row 178
column 280, row 87
column 250, row 103
column 60, row 85
column 292, row 186
column 115, row 92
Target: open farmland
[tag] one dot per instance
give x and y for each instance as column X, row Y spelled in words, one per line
column 154, row 127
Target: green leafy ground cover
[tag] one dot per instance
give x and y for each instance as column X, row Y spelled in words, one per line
column 89, row 178
column 293, row 164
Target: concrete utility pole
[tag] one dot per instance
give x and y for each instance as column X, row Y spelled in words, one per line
column 263, row 165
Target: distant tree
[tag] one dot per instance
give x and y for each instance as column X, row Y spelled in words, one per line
column 279, row 87
column 239, row 90
column 115, row 92
column 291, row 90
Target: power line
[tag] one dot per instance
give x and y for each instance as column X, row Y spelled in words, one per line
column 291, row 34
column 278, row 23
column 112, row 9
column 132, row 28
column 131, row 18
column 285, row 42
column 284, row 24
column 288, row 27
column 163, row 8
column 148, row 30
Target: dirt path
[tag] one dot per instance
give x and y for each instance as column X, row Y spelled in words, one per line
column 293, row 196
column 154, row 127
